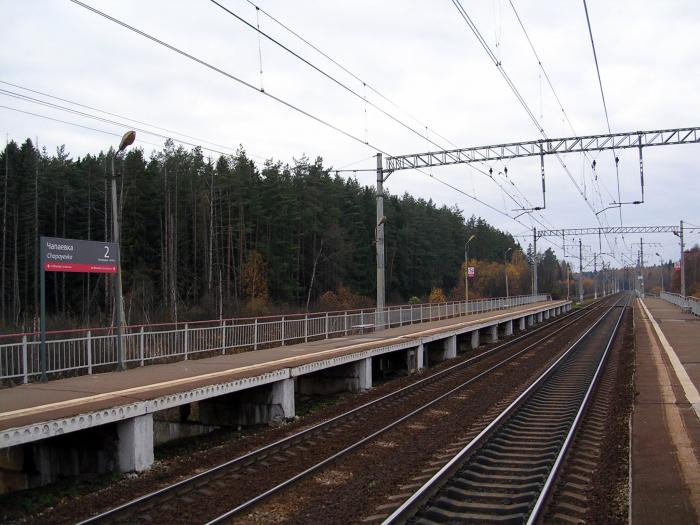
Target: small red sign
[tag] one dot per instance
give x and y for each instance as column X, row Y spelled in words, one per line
column 677, row 266
column 471, row 272
column 80, row 267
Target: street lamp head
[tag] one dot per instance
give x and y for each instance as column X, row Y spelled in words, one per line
column 381, row 221
column 471, row 238
column 127, row 140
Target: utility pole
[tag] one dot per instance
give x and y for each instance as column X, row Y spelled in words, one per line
column 568, row 285
column 595, row 276
column 682, row 262
column 466, row 272
column 505, row 265
column 641, row 266
column 534, row 261
column 380, row 244
column 580, row 271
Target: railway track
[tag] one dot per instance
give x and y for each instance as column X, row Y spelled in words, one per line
column 291, row 459
column 506, row 473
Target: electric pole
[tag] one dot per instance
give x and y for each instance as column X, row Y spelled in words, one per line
column 534, row 261
column 595, row 276
column 380, row 244
column 641, row 266
column 682, row 262
column 580, row 272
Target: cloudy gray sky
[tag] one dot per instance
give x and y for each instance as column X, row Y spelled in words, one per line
column 421, row 55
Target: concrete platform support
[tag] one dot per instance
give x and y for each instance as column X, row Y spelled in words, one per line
column 539, row 317
column 414, row 359
column 450, row 351
column 475, row 339
column 546, row 314
column 521, row 324
column 283, row 395
column 265, row 404
column 530, row 320
column 494, row 333
column 508, row 328
column 135, row 443
column 352, row 377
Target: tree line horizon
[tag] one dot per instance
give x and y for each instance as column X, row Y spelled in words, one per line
column 204, row 238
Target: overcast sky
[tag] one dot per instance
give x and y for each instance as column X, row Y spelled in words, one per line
column 420, row 55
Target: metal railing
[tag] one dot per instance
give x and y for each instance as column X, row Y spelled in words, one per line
column 86, row 351
column 687, row 303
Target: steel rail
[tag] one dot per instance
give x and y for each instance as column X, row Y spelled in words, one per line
column 430, row 487
column 549, row 483
column 250, row 457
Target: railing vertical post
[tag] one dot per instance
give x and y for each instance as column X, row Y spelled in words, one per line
column 306, row 328
column 223, row 337
column 89, row 351
column 142, row 346
column 25, row 380
column 345, row 323
column 282, row 330
column 255, row 335
column 411, row 314
column 326, row 325
column 186, row 340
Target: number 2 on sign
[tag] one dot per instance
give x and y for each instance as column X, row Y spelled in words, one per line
column 106, row 252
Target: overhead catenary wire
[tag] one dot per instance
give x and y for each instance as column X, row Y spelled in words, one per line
column 335, row 62
column 365, row 85
column 324, row 73
column 250, row 86
column 543, row 71
column 73, row 111
column 93, row 108
column 605, row 105
column 521, row 100
column 46, row 117
column 226, row 74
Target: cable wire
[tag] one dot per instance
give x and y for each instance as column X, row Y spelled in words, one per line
column 602, row 96
column 347, row 88
column 522, row 101
column 225, row 73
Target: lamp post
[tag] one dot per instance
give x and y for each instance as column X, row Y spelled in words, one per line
column 466, row 272
column 505, row 264
column 661, row 270
column 126, row 141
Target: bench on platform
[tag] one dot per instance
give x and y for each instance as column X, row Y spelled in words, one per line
column 362, row 327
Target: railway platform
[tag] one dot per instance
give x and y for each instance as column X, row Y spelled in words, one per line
column 122, row 414
column 665, row 470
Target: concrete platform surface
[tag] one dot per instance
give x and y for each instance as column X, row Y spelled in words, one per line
column 36, row 402
column 683, row 333
column 665, row 484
